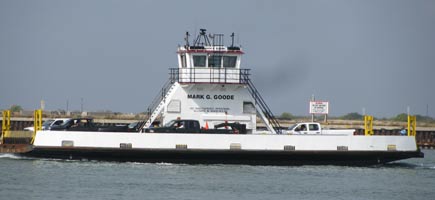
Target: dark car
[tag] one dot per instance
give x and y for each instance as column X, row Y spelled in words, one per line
column 177, row 126
column 193, row 126
column 132, row 127
column 76, row 124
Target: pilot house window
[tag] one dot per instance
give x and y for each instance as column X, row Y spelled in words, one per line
column 230, row 61
column 248, row 107
column 183, row 61
column 214, row 61
column 199, row 61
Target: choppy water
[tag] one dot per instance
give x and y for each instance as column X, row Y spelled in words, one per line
column 23, row 178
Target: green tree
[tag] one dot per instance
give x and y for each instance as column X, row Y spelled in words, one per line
column 422, row 118
column 352, row 116
column 402, row 117
column 286, row 115
column 16, row 108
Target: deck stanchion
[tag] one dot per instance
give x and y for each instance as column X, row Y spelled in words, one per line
column 412, row 124
column 6, row 124
column 37, row 124
column 368, row 125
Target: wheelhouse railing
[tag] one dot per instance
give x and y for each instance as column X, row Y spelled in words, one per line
column 209, row 75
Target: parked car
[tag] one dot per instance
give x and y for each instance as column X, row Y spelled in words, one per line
column 193, row 126
column 49, row 123
column 76, row 124
column 87, row 124
column 132, row 127
column 312, row 128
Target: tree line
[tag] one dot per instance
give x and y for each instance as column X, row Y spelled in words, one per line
column 402, row 117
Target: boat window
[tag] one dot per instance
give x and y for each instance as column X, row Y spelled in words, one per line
column 214, row 61
column 230, row 61
column 314, row 127
column 183, row 61
column 199, row 61
column 248, row 107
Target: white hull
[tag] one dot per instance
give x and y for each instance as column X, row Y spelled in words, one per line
column 268, row 149
column 224, row 141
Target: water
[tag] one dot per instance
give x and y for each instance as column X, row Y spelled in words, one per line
column 24, row 178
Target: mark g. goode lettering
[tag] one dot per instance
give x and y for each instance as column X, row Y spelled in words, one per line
column 195, row 96
column 225, row 97
column 208, row 96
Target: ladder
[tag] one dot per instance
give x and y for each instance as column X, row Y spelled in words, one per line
column 265, row 113
column 160, row 102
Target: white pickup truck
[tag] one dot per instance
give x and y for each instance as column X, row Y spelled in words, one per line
column 49, row 123
column 313, row 128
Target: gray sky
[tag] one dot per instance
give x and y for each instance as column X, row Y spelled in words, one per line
column 377, row 55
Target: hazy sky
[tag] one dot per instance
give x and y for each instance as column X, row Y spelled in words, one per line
column 377, row 55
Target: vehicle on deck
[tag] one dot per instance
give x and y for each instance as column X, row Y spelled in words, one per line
column 76, row 124
column 313, row 128
column 47, row 124
column 132, row 127
column 88, row 124
column 193, row 126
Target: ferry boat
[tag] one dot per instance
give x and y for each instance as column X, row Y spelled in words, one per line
column 210, row 90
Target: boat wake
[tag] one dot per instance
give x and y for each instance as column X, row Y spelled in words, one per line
column 11, row 156
column 405, row 165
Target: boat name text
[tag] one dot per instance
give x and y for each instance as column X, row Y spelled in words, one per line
column 207, row 96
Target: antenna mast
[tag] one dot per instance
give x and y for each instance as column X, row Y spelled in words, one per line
column 203, row 35
column 187, row 38
column 232, row 39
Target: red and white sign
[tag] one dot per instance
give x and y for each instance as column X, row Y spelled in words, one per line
column 319, row 107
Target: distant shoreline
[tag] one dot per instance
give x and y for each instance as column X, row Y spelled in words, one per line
column 332, row 123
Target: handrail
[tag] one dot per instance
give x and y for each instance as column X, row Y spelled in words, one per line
column 264, row 108
column 209, row 75
column 159, row 97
